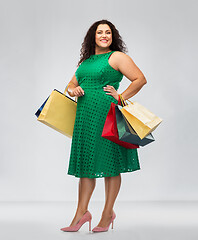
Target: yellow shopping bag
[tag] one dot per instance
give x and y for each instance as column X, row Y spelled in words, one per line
column 59, row 112
column 140, row 118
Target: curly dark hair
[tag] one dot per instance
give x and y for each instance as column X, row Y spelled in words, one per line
column 88, row 45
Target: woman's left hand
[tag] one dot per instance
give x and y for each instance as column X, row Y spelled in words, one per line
column 111, row 91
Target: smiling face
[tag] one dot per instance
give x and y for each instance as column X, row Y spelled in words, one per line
column 103, row 38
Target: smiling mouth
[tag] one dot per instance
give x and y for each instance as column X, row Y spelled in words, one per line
column 104, row 40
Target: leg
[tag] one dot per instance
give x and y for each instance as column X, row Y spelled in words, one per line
column 106, row 179
column 86, row 187
column 112, row 187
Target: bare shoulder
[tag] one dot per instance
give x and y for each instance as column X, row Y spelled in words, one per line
column 114, row 59
column 118, row 57
column 125, row 64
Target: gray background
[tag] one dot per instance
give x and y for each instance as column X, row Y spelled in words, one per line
column 39, row 51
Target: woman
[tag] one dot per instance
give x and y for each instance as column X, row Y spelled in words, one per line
column 95, row 82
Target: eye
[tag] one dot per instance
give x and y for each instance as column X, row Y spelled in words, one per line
column 101, row 32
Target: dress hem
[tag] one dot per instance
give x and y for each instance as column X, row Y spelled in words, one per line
column 101, row 175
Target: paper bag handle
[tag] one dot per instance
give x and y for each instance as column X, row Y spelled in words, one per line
column 76, row 98
column 124, row 101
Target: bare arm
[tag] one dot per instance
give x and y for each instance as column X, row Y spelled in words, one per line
column 129, row 69
column 74, row 89
column 123, row 63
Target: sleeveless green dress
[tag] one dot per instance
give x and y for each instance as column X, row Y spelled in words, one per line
column 91, row 155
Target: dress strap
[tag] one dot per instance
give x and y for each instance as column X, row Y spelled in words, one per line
column 109, row 54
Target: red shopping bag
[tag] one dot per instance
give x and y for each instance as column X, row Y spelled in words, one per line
column 110, row 130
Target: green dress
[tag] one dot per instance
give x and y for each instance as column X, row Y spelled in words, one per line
column 91, row 155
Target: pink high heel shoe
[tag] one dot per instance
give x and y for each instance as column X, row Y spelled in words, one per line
column 85, row 218
column 104, row 229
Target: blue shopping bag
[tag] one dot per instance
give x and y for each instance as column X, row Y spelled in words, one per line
column 41, row 108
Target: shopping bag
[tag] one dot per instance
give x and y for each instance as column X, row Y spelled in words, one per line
column 126, row 133
column 41, row 108
column 140, row 118
column 110, row 130
column 58, row 112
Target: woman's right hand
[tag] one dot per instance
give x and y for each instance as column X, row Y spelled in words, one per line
column 78, row 91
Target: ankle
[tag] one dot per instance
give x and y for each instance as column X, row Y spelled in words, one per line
column 81, row 211
column 107, row 212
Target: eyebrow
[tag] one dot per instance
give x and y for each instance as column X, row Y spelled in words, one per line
column 102, row 30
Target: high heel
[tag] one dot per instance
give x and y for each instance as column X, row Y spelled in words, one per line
column 104, row 229
column 85, row 218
